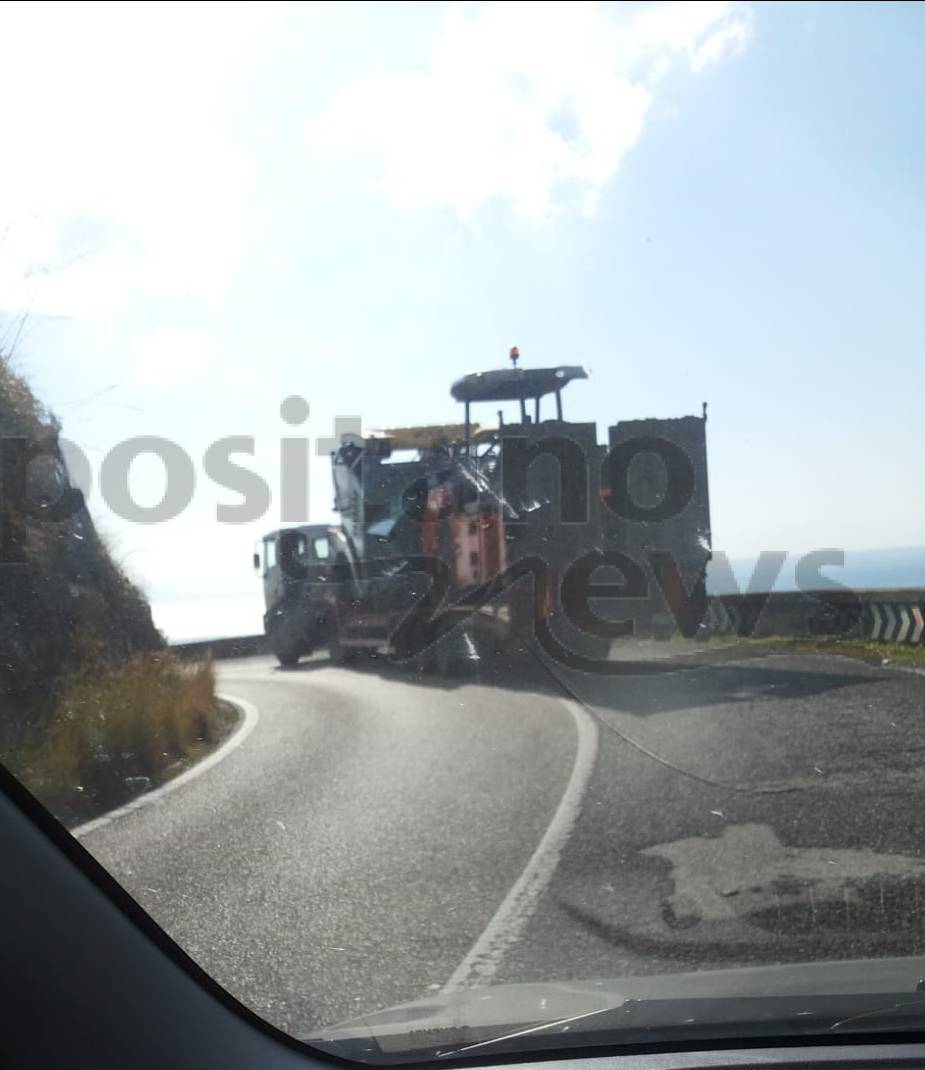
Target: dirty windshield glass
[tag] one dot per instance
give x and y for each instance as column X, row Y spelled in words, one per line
column 462, row 533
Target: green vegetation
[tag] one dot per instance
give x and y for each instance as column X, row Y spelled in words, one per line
column 115, row 732
column 865, row 649
column 21, row 410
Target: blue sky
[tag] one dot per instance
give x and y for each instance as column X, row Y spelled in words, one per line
column 715, row 202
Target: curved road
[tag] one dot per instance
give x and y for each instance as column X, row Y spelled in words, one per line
column 379, row 836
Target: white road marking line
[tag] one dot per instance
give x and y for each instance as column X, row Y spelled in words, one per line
column 485, row 955
column 247, row 725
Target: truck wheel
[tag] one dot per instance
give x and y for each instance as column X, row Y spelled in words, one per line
column 286, row 642
column 287, row 658
column 405, row 657
column 338, row 653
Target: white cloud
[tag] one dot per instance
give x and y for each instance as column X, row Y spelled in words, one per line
column 534, row 104
column 120, row 174
column 170, row 355
column 729, row 40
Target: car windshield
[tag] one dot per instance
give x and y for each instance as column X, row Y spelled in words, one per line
column 462, row 532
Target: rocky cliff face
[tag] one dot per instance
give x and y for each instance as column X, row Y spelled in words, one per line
column 64, row 603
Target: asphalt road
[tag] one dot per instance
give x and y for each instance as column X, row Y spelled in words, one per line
column 378, row 836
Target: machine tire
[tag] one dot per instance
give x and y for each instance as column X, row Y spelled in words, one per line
column 447, row 657
column 286, row 642
column 338, row 653
column 444, row 657
column 287, row 658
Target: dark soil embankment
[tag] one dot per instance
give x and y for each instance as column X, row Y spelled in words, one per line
column 93, row 709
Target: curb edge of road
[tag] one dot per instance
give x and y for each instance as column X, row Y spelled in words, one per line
column 250, row 715
column 908, row 670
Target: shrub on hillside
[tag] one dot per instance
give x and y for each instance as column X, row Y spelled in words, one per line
column 116, row 732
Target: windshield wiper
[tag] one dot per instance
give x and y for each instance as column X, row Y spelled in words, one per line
column 648, row 1021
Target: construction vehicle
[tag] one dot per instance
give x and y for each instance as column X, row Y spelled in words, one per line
column 456, row 541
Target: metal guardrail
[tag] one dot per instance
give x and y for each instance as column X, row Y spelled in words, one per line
column 896, row 616
column 901, row 623
column 236, row 647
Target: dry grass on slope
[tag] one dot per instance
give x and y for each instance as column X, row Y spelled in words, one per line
column 117, row 731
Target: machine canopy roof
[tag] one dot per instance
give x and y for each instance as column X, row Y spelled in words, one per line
column 515, row 384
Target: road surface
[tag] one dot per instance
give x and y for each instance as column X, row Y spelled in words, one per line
column 380, row 835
